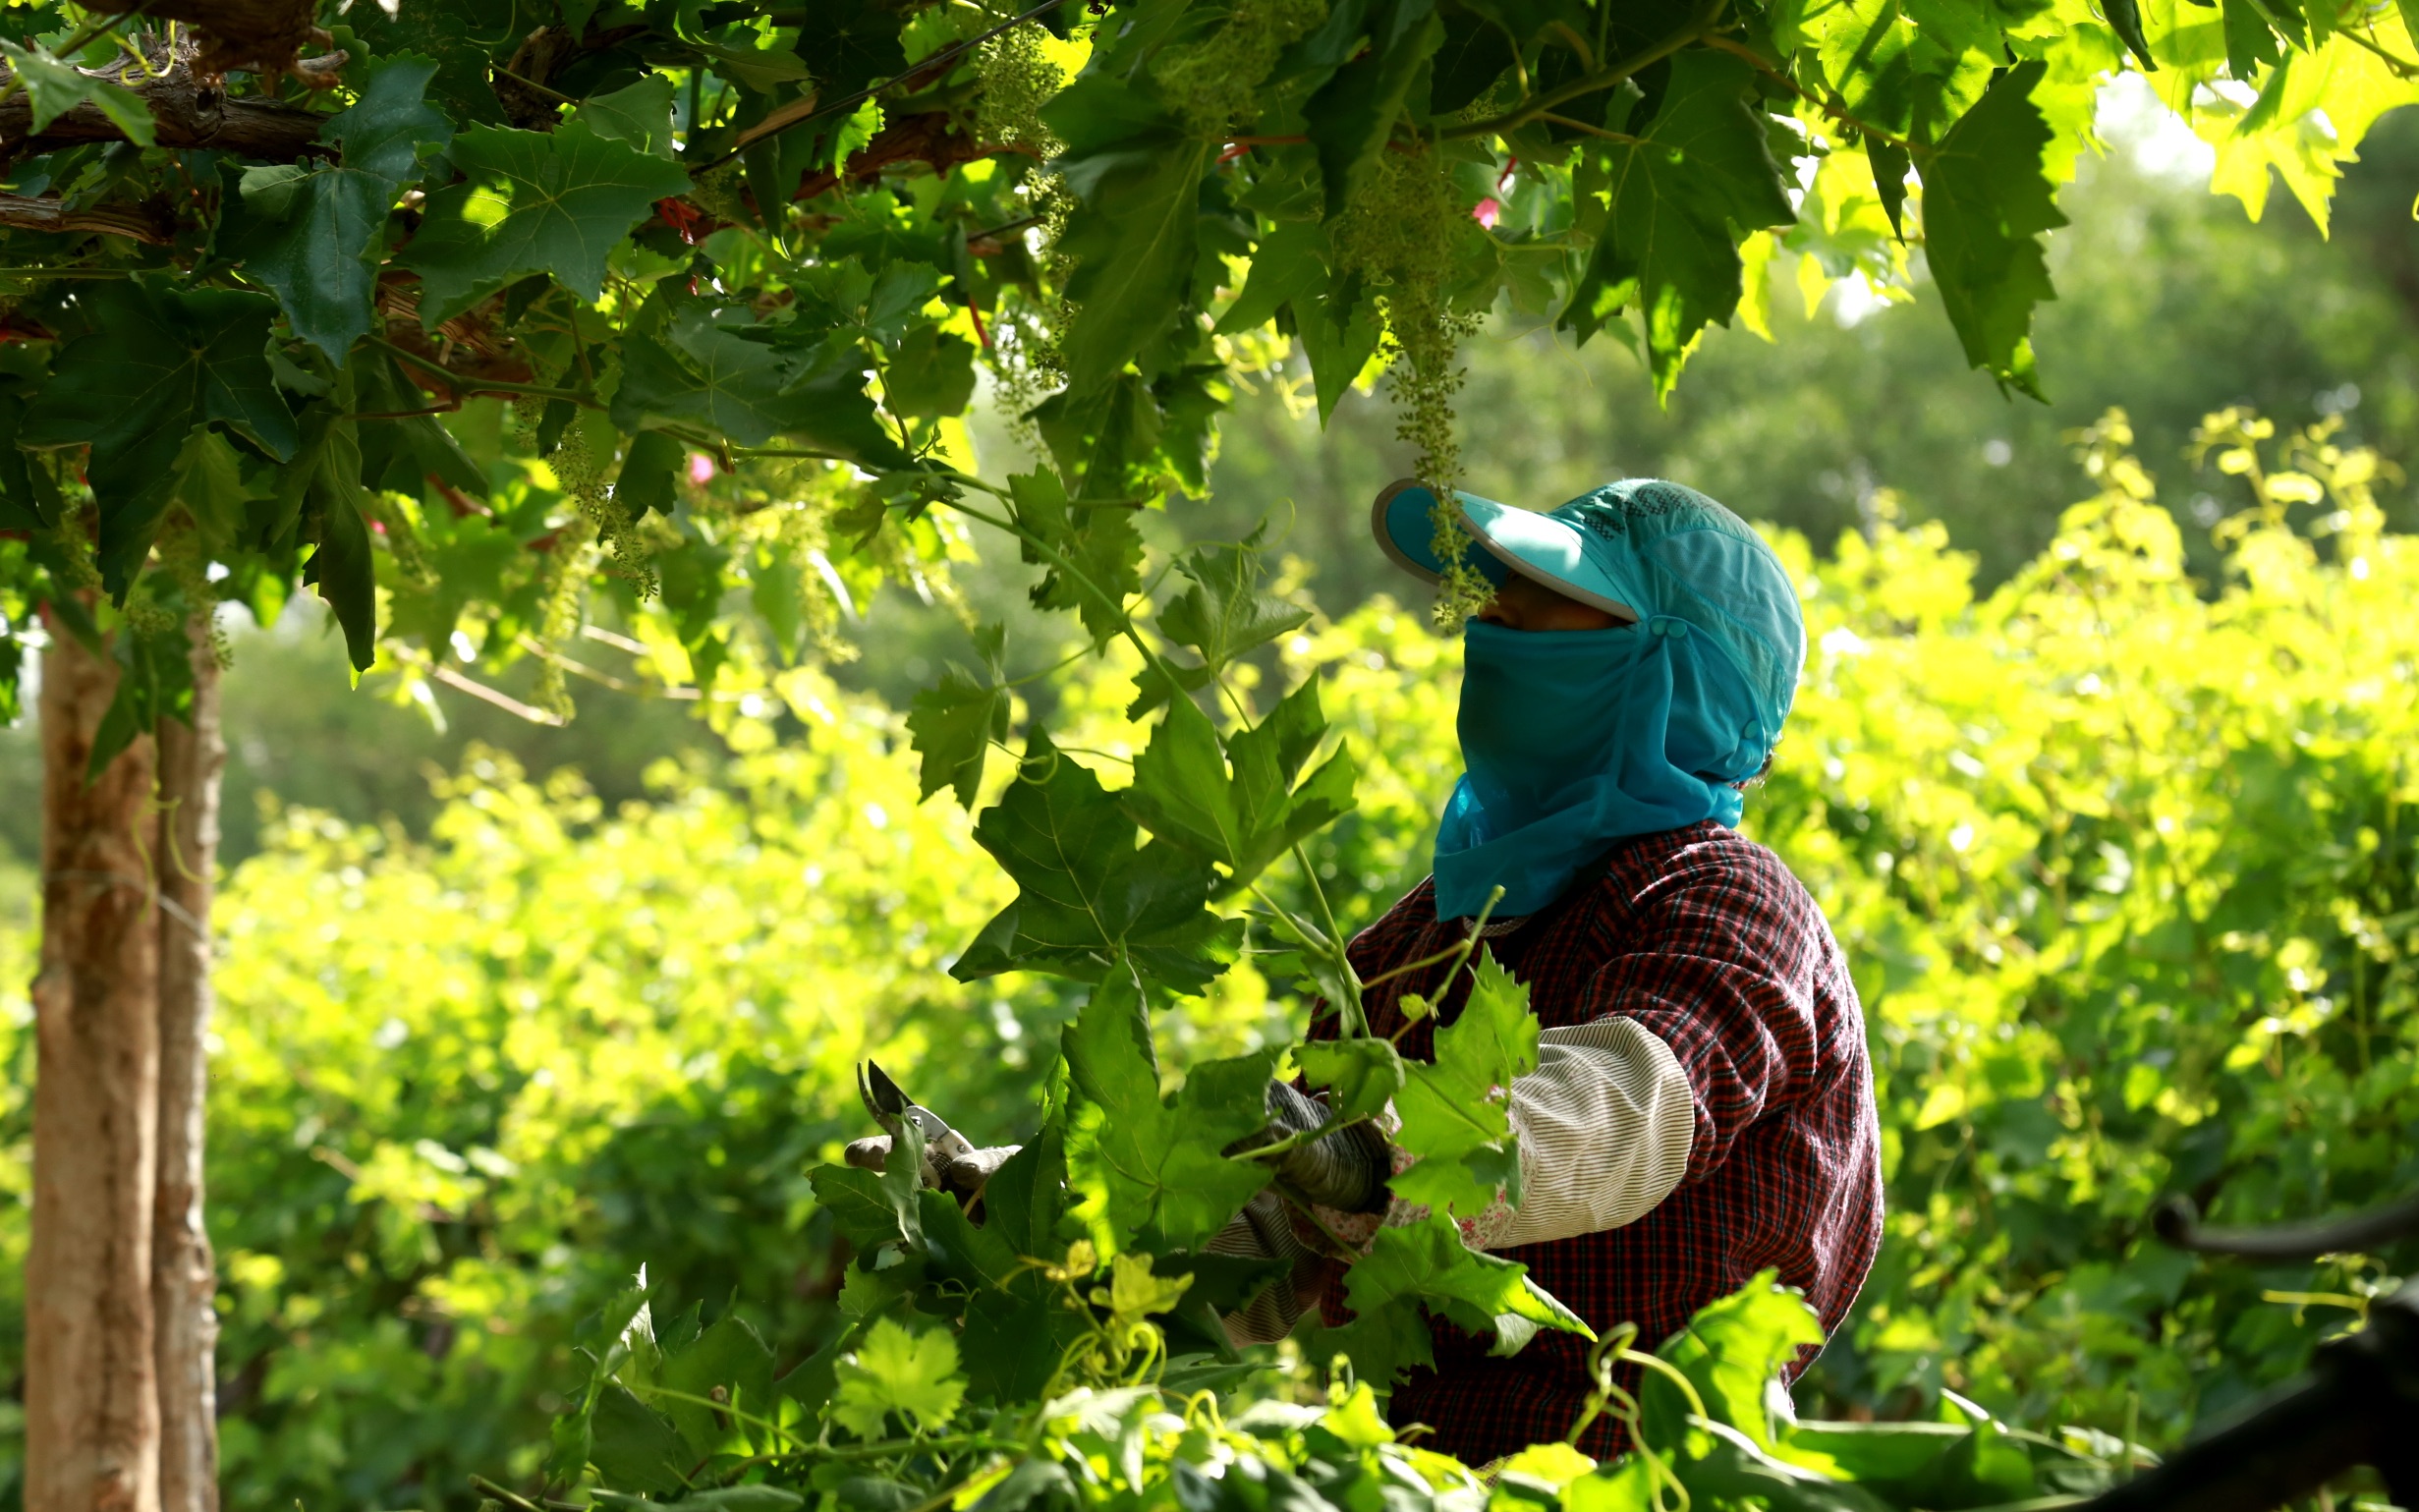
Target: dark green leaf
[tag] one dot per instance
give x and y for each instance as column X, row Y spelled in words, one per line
column 711, row 377
column 391, row 127
column 640, row 114
column 1426, row 1266
column 1100, row 548
column 155, row 365
column 341, row 567
column 631, row 1446
column 1182, row 791
column 731, row 1357
column 532, row 203
column 307, row 237
column 931, row 374
column 1132, row 231
column 1986, row 204
column 953, row 723
column 1353, row 114
column 1086, row 893
column 1700, row 172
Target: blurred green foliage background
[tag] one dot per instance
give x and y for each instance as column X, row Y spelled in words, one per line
column 2115, row 824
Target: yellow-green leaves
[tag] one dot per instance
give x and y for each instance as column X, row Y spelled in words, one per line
column 532, row 203
column 1184, row 793
column 1986, row 206
column 913, row 1377
column 1699, row 177
column 1455, row 1112
column 1145, row 1171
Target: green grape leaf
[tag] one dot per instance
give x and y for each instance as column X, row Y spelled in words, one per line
column 1103, row 546
column 711, row 377
column 155, row 364
column 1143, row 1171
column 1289, row 263
column 1134, row 231
column 1353, row 113
column 1361, row 1076
column 305, row 235
column 1455, row 1112
column 1728, row 1468
column 1023, row 1199
column 458, row 34
column 1986, row 204
column 640, row 114
column 1424, row 1268
column 1183, row 792
column 343, row 567
column 1702, row 167
column 532, row 203
column 54, row 87
column 391, row 127
column 1086, row 894
column 1225, row 613
column 1730, row 1351
column 953, row 723
column 893, row 1370
column 633, row 1446
column 930, row 375
column 732, row 1356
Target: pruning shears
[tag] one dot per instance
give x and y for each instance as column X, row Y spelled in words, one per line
column 890, row 1106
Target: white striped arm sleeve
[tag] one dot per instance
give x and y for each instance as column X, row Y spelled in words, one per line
column 1605, row 1123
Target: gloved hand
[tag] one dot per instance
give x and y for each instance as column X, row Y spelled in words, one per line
column 1346, row 1170
column 962, row 1178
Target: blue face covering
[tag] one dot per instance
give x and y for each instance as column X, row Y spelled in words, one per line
column 1574, row 740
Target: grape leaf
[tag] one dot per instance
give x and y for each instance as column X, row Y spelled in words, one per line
column 1353, row 113
column 930, row 375
column 631, row 1446
column 1729, row 1350
column 1225, row 613
column 730, row 1355
column 1136, row 180
column 343, row 568
column 712, row 377
column 305, row 235
column 1425, row 1267
column 1361, row 1076
column 54, row 87
column 155, row 364
column 1701, row 168
column 1086, row 894
column 1454, row 1111
column 1144, row 1171
column 894, row 1371
column 1183, row 792
column 953, row 723
column 532, row 203
column 391, row 127
column 640, row 114
column 1103, row 546
column 1986, row 205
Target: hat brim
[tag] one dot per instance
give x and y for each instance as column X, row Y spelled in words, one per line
column 1537, row 546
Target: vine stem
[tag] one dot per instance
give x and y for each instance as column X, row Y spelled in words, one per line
column 1302, row 1137
column 464, row 383
column 1603, row 79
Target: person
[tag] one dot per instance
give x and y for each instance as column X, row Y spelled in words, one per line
column 1702, row 1108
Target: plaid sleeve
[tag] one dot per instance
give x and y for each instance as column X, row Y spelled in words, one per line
column 1718, row 961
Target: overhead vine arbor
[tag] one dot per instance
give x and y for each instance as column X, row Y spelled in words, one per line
column 553, row 329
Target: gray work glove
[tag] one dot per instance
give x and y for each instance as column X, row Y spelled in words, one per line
column 1263, row 1231
column 1346, row 1170
column 963, row 1177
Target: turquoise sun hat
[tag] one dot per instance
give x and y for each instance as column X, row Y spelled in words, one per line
column 1640, row 549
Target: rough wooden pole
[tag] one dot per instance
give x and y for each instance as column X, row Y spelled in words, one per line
column 92, row 1391
column 184, row 1279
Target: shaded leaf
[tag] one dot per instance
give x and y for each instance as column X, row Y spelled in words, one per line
column 953, row 723
column 1986, row 205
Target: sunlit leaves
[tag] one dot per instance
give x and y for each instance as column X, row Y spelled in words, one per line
column 1986, row 206
column 532, row 203
column 1147, row 1172
column 1455, row 1112
column 893, row 1371
column 1244, row 819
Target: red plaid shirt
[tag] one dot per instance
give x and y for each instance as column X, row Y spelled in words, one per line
column 1705, row 938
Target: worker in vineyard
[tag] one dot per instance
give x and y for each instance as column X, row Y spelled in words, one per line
column 1702, row 1103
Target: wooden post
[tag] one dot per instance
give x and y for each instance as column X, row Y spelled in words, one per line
column 184, row 1279
column 92, row 1390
